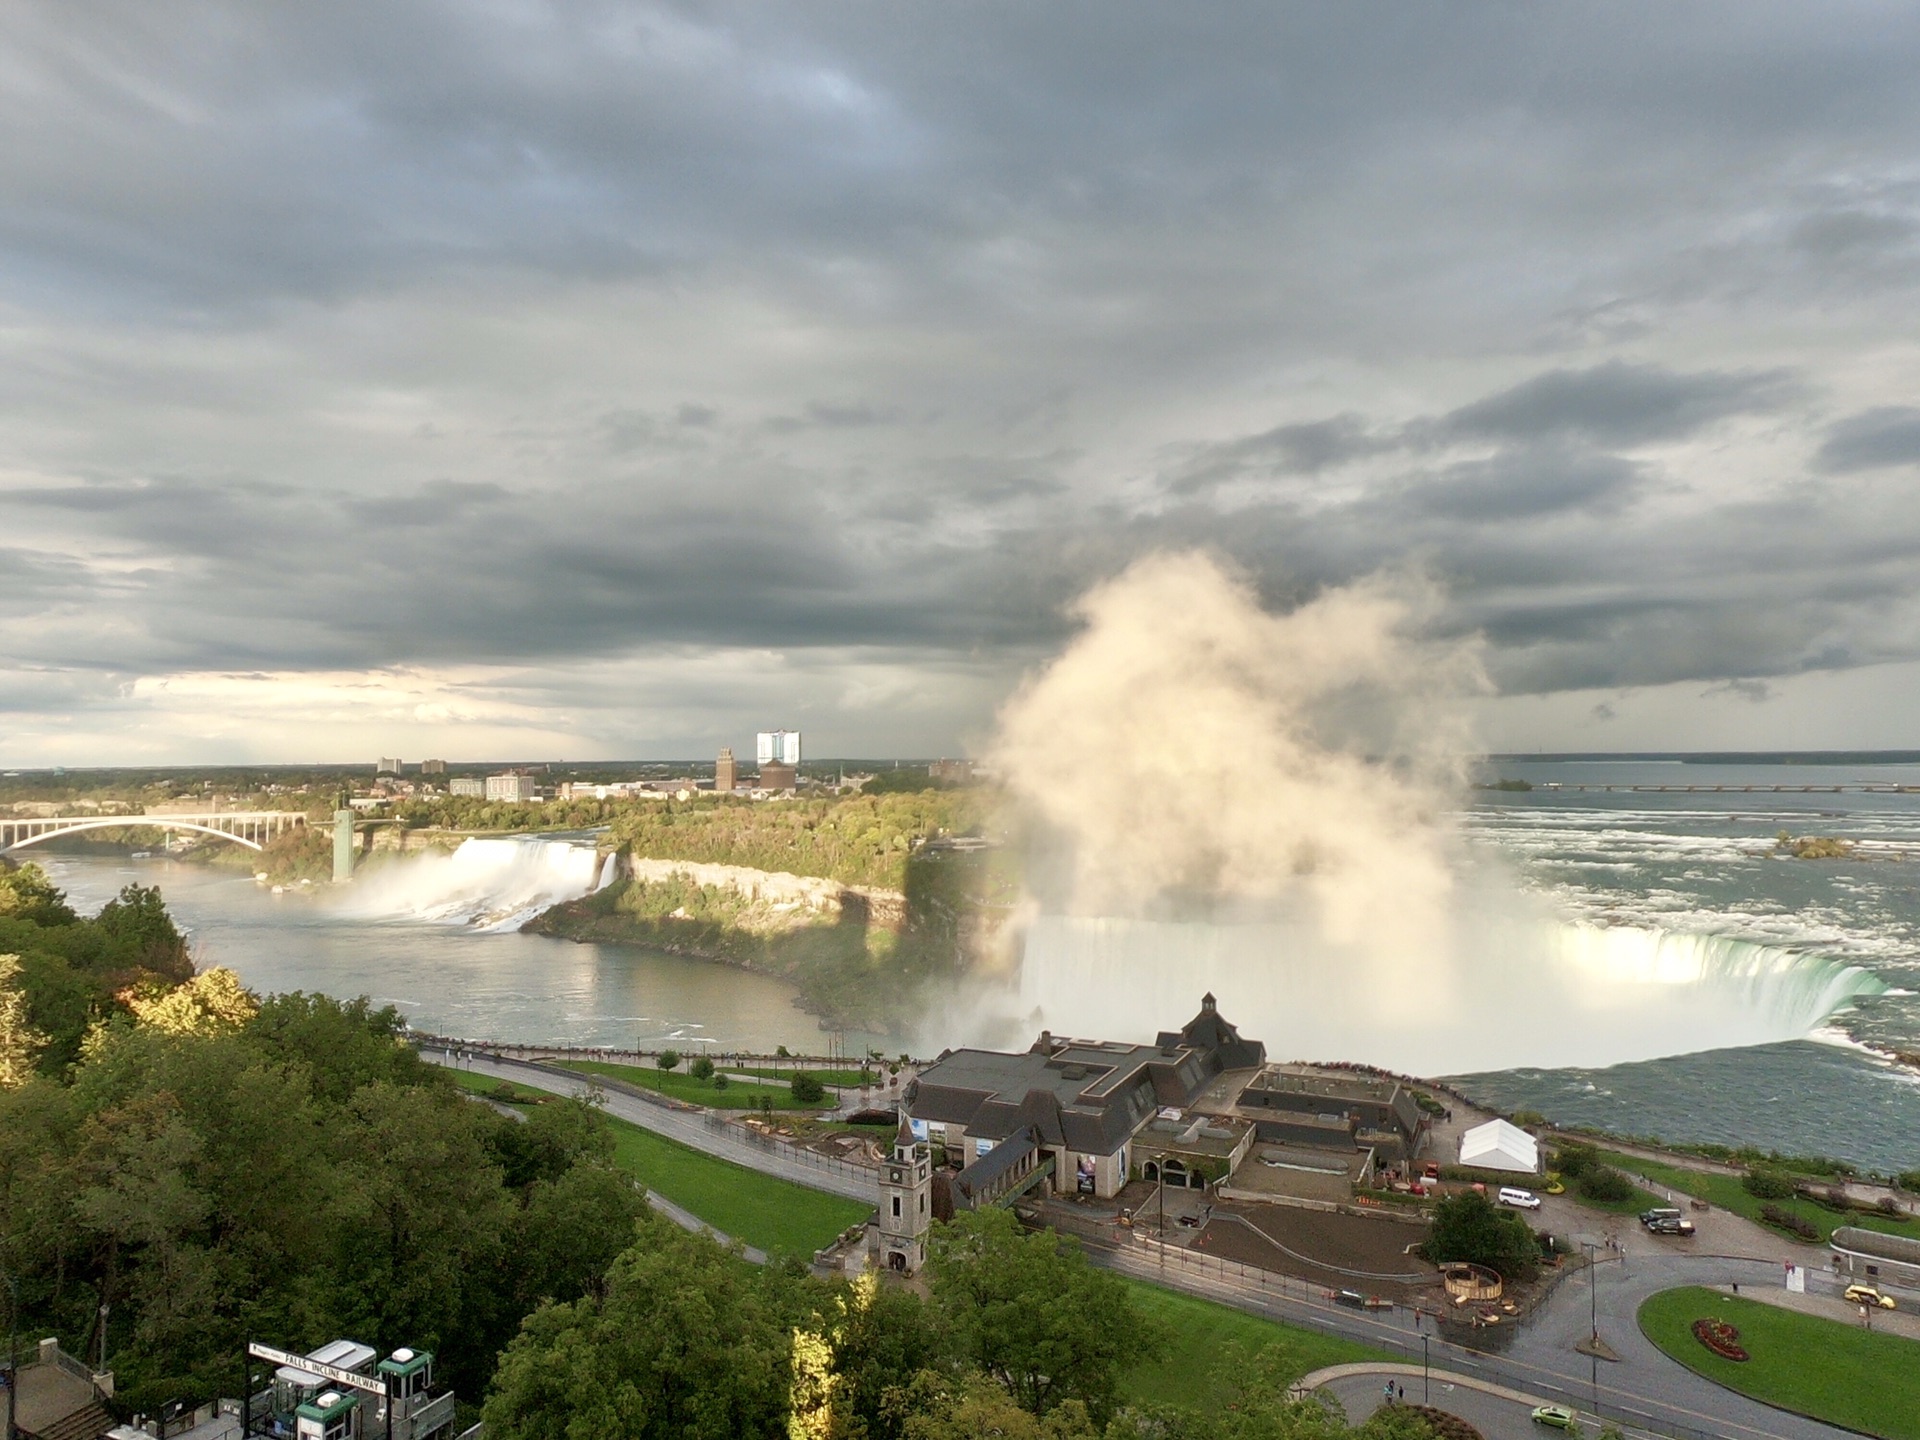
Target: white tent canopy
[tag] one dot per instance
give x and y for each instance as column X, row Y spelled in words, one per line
column 1497, row 1145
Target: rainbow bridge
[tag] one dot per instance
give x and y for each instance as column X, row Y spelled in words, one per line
column 251, row 828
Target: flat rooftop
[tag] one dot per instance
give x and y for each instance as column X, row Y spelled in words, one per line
column 1305, row 1080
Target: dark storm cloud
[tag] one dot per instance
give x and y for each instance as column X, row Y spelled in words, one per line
column 356, row 335
column 1522, row 483
column 1615, row 404
column 1889, row 435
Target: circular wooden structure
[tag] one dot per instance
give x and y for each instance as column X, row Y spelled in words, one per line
column 1467, row 1282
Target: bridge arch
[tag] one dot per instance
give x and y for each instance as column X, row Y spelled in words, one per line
column 130, row 822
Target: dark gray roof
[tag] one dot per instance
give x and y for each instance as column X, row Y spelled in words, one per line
column 1085, row 1094
column 995, row 1163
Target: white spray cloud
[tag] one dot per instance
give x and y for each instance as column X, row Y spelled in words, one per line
column 1192, row 746
column 1259, row 804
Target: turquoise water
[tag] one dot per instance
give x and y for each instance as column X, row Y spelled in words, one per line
column 1705, row 862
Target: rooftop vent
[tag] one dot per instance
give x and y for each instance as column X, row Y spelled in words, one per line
column 403, row 1355
column 1073, row 1072
column 327, row 1401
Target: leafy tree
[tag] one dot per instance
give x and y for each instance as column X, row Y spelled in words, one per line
column 137, row 923
column 720, row 1082
column 1606, row 1184
column 687, row 1343
column 1472, row 1228
column 667, row 1059
column 806, row 1088
column 20, row 1043
column 701, row 1068
column 887, row 1333
column 213, row 1002
column 1028, row 1311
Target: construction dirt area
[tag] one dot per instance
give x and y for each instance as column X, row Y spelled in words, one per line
column 1342, row 1252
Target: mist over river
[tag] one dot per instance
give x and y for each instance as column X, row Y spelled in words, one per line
column 1722, row 952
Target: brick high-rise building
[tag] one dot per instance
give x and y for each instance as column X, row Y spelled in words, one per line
column 723, row 772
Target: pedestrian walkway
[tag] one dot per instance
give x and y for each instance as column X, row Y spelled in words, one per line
column 688, row 1126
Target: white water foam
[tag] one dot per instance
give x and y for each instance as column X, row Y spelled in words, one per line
column 485, row 884
column 1510, row 993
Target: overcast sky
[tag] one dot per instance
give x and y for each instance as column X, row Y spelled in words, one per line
column 574, row 380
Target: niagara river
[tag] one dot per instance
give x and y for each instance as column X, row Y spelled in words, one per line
column 1675, row 971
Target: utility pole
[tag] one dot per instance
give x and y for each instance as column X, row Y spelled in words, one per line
column 1426, row 1374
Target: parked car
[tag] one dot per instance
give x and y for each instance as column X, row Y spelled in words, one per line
column 1557, row 1416
column 1867, row 1295
column 1519, row 1199
column 1671, row 1225
column 1350, row 1297
column 1650, row 1218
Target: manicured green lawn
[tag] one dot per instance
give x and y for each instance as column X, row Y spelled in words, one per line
column 761, row 1210
column 1205, row 1337
column 488, row 1086
column 1830, row 1370
column 1726, row 1192
column 682, row 1086
column 850, row 1079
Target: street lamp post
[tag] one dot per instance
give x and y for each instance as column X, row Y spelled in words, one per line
column 1426, row 1386
column 13, row 1352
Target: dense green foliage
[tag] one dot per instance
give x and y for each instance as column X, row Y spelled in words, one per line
column 806, row 1088
column 1827, row 1369
column 857, row 840
column 1470, row 1227
column 297, row 1179
column 1027, row 1311
column 73, row 972
column 1021, row 1338
column 1767, row 1185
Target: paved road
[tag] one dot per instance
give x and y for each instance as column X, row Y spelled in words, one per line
column 1643, row 1388
column 1493, row 1416
column 689, row 1128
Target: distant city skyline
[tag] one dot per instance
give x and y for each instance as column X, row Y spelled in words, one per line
column 601, row 380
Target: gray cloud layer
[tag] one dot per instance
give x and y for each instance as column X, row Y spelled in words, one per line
column 361, row 336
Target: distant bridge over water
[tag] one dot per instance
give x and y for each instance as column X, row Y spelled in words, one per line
column 251, row 828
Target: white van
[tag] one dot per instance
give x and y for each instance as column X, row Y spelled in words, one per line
column 1520, row 1199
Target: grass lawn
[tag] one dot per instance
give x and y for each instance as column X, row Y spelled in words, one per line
column 1206, row 1334
column 1828, row 1369
column 682, row 1086
column 1635, row 1204
column 487, row 1085
column 1726, row 1192
column 849, row 1079
column 759, row 1209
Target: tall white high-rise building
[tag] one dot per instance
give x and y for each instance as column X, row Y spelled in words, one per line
column 779, row 747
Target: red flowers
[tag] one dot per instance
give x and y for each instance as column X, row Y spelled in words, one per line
column 1721, row 1338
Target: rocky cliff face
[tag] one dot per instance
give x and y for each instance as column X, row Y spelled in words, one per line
column 828, row 899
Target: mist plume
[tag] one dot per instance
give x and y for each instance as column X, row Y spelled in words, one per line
column 1193, row 751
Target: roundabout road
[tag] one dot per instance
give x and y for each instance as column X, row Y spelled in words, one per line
column 1643, row 1374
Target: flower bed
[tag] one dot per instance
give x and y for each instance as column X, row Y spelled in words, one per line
column 1721, row 1338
